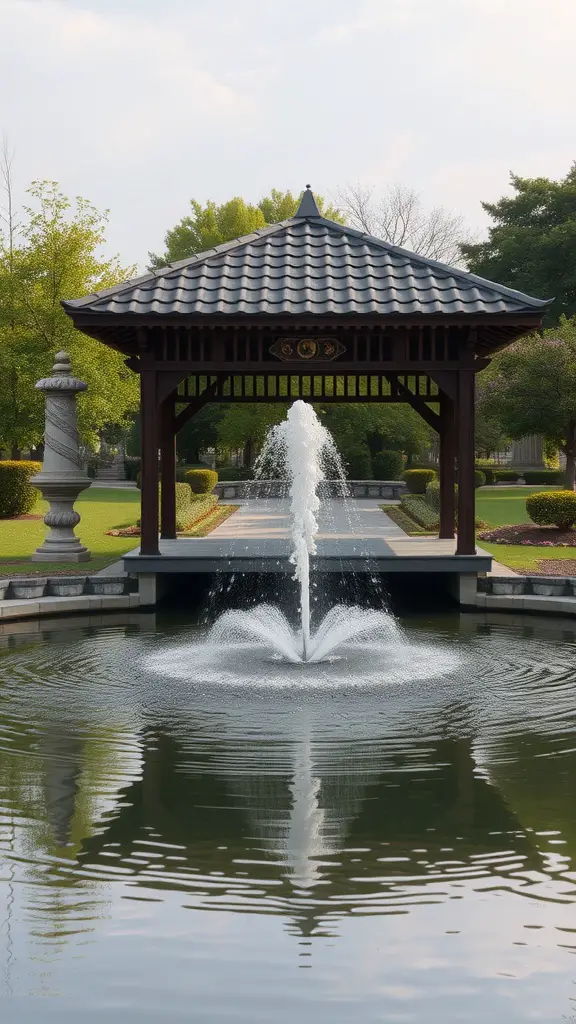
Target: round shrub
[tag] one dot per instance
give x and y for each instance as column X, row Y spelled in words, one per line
column 202, row 481
column 358, row 463
column 416, row 480
column 17, row 495
column 552, row 508
column 479, row 478
column 387, row 465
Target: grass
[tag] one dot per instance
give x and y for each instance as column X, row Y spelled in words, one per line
column 524, row 559
column 505, row 506
column 101, row 508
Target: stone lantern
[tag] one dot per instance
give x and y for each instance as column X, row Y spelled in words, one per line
column 62, row 477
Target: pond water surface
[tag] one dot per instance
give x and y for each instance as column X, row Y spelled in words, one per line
column 308, row 845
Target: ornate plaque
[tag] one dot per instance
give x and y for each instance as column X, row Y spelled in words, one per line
column 293, row 349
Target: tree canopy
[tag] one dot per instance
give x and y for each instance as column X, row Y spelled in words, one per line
column 54, row 255
column 212, row 223
column 531, row 245
column 530, row 388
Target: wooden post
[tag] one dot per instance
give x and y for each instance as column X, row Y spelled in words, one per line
column 168, row 470
column 447, row 475
column 149, row 436
column 466, row 494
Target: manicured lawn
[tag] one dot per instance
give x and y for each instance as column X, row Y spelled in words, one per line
column 524, row 559
column 101, row 508
column 505, row 506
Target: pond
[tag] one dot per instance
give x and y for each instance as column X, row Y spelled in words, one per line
column 315, row 844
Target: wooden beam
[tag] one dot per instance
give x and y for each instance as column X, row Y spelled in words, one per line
column 466, row 493
column 149, row 436
column 447, row 474
column 167, row 382
column 168, row 469
column 418, row 404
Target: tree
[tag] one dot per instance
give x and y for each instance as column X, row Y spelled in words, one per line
column 246, row 426
column 213, row 224
column 531, row 389
column 532, row 244
column 400, row 218
column 55, row 256
column 199, row 433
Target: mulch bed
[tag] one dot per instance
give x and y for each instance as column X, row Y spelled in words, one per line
column 531, row 536
column 553, row 567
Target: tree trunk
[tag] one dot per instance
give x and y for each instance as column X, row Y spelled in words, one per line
column 15, row 453
column 248, row 454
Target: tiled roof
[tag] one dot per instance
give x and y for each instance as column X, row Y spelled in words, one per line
column 307, row 265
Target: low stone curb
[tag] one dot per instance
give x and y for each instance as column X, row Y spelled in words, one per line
column 29, row 608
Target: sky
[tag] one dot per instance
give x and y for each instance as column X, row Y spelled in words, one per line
column 140, row 105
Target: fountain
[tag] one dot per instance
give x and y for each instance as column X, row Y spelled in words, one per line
column 301, row 448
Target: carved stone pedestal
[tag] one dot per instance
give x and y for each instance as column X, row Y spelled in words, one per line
column 61, row 478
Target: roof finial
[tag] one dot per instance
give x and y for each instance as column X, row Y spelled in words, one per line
column 308, row 206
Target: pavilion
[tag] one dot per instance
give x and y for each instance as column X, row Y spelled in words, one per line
column 310, row 309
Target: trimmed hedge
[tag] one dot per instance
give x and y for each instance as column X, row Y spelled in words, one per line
column 17, row 495
column 542, row 476
column 420, row 510
column 479, row 477
column 358, row 463
column 506, row 476
column 552, row 508
column 417, row 479
column 233, row 473
column 201, row 481
column 387, row 465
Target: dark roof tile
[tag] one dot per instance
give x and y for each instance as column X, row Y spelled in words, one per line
column 307, row 265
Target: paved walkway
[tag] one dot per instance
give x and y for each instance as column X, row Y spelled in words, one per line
column 355, row 536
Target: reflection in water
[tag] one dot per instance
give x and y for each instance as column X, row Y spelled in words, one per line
column 413, row 843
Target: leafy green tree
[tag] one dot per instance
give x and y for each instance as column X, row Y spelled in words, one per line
column 531, row 245
column 246, row 426
column 199, row 433
column 56, row 256
column 531, row 389
column 212, row 224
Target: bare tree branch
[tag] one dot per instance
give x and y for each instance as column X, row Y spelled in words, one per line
column 400, row 218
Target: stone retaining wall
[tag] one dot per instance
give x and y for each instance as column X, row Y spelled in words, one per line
column 389, row 489
column 541, row 586
column 32, row 588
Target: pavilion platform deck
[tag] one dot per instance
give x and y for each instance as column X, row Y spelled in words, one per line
column 355, row 537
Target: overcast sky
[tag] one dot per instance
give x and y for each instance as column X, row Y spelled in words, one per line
column 140, row 104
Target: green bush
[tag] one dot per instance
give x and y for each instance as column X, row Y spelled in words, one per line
column 542, row 476
column 202, row 481
column 233, row 473
column 506, row 476
column 17, row 495
column 358, row 463
column 420, row 510
column 552, row 508
column 488, row 471
column 417, row 479
column 387, row 465
column 479, row 477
